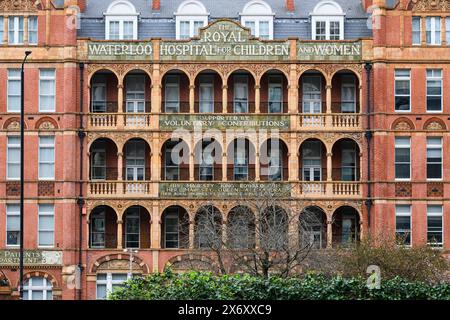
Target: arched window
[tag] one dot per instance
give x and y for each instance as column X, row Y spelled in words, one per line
column 327, row 21
column 190, row 17
column 258, row 16
column 121, row 21
column 37, row 288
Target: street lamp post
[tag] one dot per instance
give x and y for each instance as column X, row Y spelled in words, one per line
column 22, row 156
column 130, row 251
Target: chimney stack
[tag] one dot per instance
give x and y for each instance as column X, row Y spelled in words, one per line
column 290, row 5
column 156, row 5
column 82, row 5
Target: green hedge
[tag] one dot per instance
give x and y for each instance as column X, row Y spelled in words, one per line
column 205, row 286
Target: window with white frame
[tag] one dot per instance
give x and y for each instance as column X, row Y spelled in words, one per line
column 402, row 158
column 13, row 158
column 46, row 158
column 37, row 288
column 47, row 90
column 12, row 225
column 416, row 31
column 258, row 17
column 46, row 225
column 403, row 224
column 121, row 21
column 434, row 90
column 433, row 30
column 434, row 225
column 402, row 90
column 107, row 283
column 447, row 30
column 434, row 158
column 32, row 30
column 2, row 31
column 15, row 28
column 190, row 17
column 14, row 89
column 327, row 21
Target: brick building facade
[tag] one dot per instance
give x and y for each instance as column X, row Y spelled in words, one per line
column 356, row 92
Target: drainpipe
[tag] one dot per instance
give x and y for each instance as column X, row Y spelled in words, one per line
column 369, row 134
column 80, row 201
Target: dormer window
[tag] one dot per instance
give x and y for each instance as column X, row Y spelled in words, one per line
column 327, row 21
column 258, row 17
column 121, row 21
column 190, row 17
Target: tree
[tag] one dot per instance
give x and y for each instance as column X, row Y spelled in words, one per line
column 263, row 234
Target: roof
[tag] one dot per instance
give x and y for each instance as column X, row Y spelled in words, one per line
column 223, row 9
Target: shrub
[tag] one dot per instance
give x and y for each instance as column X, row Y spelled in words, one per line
column 206, row 286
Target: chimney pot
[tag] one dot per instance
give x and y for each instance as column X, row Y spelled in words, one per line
column 156, row 5
column 290, row 6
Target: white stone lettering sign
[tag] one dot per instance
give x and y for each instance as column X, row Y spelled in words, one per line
column 222, row 122
column 31, row 257
column 232, row 190
column 336, row 51
column 224, row 40
column 120, row 51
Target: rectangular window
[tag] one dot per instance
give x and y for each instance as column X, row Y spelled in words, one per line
column 434, row 90
column 335, row 32
column 114, row 30
column 128, row 32
column 47, row 158
column 348, row 94
column 171, row 232
column 403, row 158
column 46, row 225
column 14, row 89
column 275, row 94
column 185, row 29
column 172, row 94
column 433, row 30
column 2, row 31
column 206, row 93
column 264, row 31
column 434, row 158
column 416, row 31
column 252, row 26
column 197, row 25
column 47, row 90
column 110, row 282
column 13, row 158
column 434, row 225
column 402, row 90
column 98, row 162
column 403, row 224
column 15, row 30
column 12, row 225
column 240, row 94
column 32, row 30
column 321, row 32
column 447, row 30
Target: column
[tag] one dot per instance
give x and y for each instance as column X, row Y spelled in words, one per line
column 257, row 167
column 224, row 231
column 328, row 102
column 257, row 99
column 423, row 32
column 293, row 233
column 25, row 30
column 361, row 100
column 155, row 229
column 119, row 234
column 119, row 166
column 293, row 160
column 156, row 165
column 258, row 232
column 224, row 165
column 191, row 167
column 191, row 234
column 329, row 234
column 120, row 97
column 156, row 98
column 329, row 166
column 224, row 98
column 191, row 98
column 443, row 31
column 5, row 29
